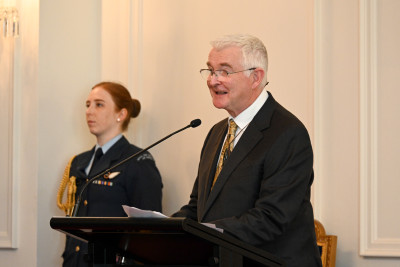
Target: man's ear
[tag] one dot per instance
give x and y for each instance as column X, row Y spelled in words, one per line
column 257, row 76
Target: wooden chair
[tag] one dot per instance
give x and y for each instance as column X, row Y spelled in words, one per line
column 327, row 245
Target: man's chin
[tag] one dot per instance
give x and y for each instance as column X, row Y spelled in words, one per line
column 219, row 103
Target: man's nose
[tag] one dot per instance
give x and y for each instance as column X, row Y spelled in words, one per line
column 213, row 79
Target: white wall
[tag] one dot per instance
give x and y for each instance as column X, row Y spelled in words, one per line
column 339, row 128
column 156, row 48
column 69, row 65
column 25, row 160
column 174, row 92
column 341, row 64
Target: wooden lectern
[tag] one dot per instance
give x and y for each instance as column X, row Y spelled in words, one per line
column 160, row 242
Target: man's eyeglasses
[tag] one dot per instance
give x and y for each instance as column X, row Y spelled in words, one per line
column 208, row 73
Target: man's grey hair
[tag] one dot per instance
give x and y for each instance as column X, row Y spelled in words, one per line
column 253, row 51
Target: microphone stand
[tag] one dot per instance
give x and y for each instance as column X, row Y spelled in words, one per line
column 193, row 124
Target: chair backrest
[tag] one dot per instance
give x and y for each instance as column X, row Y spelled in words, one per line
column 327, row 245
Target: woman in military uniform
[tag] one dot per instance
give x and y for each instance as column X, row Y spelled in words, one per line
column 136, row 182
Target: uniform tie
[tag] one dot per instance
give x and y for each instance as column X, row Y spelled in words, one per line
column 226, row 149
column 98, row 154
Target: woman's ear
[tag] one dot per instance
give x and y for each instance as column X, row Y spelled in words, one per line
column 122, row 114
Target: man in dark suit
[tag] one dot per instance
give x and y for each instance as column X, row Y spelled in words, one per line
column 254, row 180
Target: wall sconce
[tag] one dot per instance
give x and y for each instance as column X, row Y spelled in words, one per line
column 9, row 18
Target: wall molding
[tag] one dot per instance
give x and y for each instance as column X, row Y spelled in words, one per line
column 371, row 244
column 317, row 192
column 8, row 190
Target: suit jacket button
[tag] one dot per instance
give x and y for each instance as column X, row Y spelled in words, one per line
column 85, row 202
column 77, row 248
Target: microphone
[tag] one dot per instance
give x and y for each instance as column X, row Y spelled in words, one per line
column 193, row 124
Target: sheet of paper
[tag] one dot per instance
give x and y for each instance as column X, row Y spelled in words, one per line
column 138, row 213
column 211, row 225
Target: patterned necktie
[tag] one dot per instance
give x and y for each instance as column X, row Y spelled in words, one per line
column 97, row 156
column 226, row 149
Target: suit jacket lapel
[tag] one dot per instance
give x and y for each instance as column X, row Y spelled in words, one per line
column 209, row 162
column 246, row 143
column 250, row 138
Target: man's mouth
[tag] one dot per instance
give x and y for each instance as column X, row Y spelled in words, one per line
column 221, row 93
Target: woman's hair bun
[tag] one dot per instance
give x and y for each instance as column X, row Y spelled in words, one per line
column 136, row 108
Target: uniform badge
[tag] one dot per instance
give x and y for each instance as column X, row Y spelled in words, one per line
column 111, row 175
column 103, row 183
